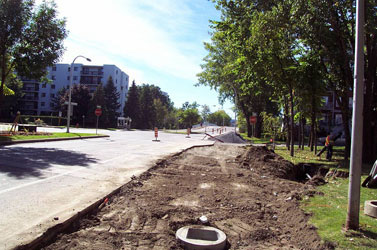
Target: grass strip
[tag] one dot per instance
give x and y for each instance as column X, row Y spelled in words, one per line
column 329, row 211
column 37, row 137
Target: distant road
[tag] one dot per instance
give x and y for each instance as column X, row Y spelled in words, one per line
column 43, row 184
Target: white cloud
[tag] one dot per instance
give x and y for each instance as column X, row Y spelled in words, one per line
column 154, row 41
column 141, row 32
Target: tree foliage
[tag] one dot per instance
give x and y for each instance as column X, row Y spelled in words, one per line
column 284, row 55
column 188, row 117
column 132, row 105
column 220, row 118
column 148, row 107
column 112, row 104
column 31, row 38
column 80, row 95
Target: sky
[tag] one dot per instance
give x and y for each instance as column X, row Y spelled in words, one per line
column 156, row 42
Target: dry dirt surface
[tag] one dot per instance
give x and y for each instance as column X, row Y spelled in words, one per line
column 249, row 193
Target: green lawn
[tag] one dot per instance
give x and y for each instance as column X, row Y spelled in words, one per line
column 330, row 212
column 36, row 137
column 256, row 140
column 330, row 209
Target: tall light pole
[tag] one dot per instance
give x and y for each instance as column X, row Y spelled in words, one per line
column 352, row 221
column 70, row 91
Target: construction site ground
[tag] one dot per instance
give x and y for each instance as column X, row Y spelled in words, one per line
column 248, row 192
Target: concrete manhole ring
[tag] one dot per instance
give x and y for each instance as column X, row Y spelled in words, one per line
column 370, row 208
column 201, row 238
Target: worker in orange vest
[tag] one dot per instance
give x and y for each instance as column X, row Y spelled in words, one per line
column 329, row 143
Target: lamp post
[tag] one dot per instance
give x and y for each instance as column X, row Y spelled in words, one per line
column 70, row 91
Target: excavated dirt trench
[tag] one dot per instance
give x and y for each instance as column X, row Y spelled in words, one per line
column 249, row 193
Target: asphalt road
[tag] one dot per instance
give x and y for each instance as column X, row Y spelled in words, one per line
column 45, row 183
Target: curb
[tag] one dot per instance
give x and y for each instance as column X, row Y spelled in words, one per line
column 52, row 139
column 65, row 227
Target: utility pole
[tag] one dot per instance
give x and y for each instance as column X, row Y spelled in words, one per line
column 352, row 221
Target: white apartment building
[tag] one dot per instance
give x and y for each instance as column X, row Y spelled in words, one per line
column 38, row 96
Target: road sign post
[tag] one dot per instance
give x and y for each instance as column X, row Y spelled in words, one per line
column 98, row 113
column 253, row 119
column 156, row 135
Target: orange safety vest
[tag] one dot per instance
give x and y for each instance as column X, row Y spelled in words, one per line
column 327, row 141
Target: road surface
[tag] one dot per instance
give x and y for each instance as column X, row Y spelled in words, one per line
column 45, row 183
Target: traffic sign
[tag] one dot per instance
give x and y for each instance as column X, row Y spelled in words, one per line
column 98, row 112
column 253, row 119
column 156, row 134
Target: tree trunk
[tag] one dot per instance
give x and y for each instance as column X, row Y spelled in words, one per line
column 370, row 102
column 310, row 139
column 315, row 137
column 291, row 120
column 249, row 128
column 286, row 123
column 343, row 103
column 299, row 133
column 258, row 126
column 302, row 133
column 312, row 130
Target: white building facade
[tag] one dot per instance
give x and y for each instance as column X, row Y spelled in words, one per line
column 38, row 96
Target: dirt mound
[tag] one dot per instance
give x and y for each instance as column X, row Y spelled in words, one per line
column 266, row 163
column 230, row 138
column 224, row 183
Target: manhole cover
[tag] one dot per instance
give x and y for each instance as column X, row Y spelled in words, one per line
column 201, row 237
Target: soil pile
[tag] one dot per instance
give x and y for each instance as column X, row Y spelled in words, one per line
column 230, row 138
column 266, row 163
column 248, row 193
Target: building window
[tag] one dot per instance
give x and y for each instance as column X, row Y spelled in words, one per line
column 52, row 95
column 52, row 86
column 42, row 104
column 44, row 85
column 121, row 87
column 116, row 80
column 54, row 68
column 53, row 77
column 43, row 95
column 67, row 77
column 51, row 105
column 74, row 68
column 116, row 71
column 69, row 69
column 74, row 77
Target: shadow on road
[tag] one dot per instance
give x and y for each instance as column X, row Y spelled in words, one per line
column 21, row 162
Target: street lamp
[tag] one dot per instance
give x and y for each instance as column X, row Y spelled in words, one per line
column 70, row 91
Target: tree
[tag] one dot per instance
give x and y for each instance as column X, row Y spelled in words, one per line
column 80, row 95
column 161, row 113
column 132, row 105
column 205, row 112
column 188, row 117
column 30, row 39
column 188, row 105
column 220, row 118
column 59, row 99
column 148, row 112
column 12, row 98
column 271, row 126
column 328, row 28
column 112, row 105
column 97, row 100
